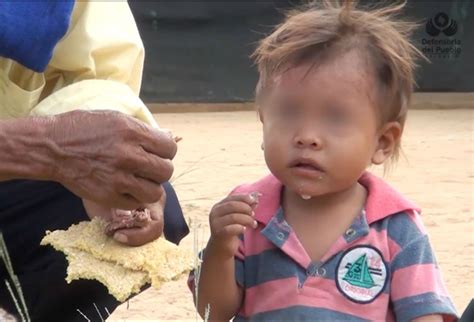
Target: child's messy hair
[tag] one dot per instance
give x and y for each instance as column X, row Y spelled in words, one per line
column 322, row 30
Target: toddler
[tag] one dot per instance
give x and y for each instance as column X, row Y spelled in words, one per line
column 320, row 238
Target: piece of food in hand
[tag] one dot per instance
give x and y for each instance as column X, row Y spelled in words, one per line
column 160, row 261
column 127, row 219
column 171, row 135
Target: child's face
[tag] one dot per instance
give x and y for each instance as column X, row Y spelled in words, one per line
column 320, row 128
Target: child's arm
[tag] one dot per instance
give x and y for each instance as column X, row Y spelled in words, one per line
column 217, row 284
column 417, row 289
column 429, row 318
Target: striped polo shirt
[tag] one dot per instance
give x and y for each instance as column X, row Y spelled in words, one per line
column 382, row 269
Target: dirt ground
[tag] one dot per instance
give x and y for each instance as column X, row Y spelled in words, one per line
column 222, row 150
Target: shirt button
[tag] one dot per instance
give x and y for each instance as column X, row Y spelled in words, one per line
column 321, row 271
column 281, row 236
column 350, row 232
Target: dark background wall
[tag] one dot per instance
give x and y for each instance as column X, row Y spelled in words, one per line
column 197, row 51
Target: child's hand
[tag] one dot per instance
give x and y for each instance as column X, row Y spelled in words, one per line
column 228, row 219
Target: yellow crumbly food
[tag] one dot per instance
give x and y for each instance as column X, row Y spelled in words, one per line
column 120, row 281
column 123, row 269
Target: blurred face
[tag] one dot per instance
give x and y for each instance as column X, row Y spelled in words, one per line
column 320, row 128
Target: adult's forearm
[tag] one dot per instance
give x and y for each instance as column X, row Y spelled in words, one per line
column 103, row 156
column 26, row 151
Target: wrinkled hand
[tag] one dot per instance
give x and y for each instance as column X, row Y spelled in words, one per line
column 134, row 228
column 111, row 158
column 228, row 219
column 139, row 231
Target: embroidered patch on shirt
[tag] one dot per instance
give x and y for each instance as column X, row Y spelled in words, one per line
column 361, row 274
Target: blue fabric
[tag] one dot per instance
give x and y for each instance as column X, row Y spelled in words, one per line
column 175, row 227
column 413, row 307
column 29, row 30
column 300, row 314
column 400, row 228
column 418, row 252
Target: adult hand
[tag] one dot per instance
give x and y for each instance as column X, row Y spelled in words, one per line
column 110, row 158
column 145, row 225
column 133, row 228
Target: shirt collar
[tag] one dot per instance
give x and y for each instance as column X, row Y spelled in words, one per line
column 382, row 199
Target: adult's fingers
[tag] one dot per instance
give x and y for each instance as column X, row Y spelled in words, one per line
column 138, row 236
column 144, row 190
column 113, row 147
column 124, row 201
column 93, row 209
column 159, row 143
column 154, row 168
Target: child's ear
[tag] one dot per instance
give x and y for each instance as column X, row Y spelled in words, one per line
column 388, row 137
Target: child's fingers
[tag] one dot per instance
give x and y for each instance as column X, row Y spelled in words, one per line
column 232, row 219
column 241, row 219
column 250, row 199
column 231, row 230
column 234, row 206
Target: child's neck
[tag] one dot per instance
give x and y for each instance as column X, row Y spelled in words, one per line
column 350, row 198
column 320, row 221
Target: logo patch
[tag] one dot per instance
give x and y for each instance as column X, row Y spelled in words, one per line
column 361, row 274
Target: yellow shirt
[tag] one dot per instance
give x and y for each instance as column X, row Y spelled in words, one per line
column 97, row 65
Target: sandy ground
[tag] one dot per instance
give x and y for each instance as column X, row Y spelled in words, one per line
column 222, row 150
